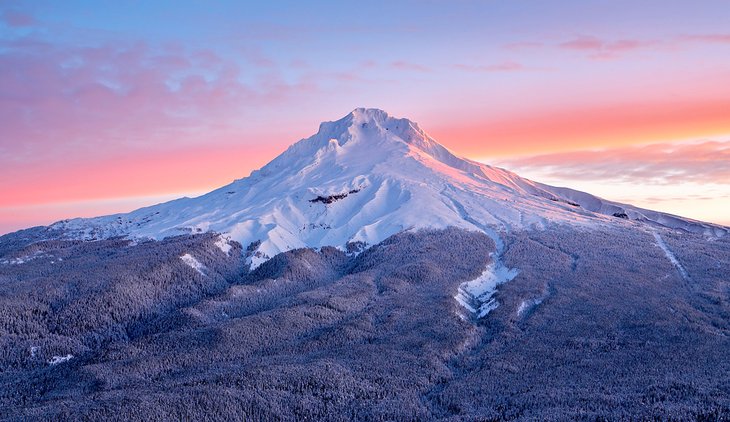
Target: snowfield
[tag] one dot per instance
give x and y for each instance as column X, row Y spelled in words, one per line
column 476, row 295
column 223, row 245
column 193, row 263
column 362, row 179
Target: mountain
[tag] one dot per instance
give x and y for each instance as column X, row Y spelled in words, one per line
column 369, row 274
column 361, row 179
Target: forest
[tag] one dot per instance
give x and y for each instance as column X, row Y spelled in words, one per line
column 597, row 325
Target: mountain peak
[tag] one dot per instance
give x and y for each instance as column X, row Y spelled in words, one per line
column 371, row 124
column 375, row 114
column 361, row 179
column 368, row 137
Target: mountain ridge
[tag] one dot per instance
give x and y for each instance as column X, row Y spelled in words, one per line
column 363, row 178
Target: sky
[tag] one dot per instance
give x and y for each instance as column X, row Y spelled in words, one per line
column 109, row 106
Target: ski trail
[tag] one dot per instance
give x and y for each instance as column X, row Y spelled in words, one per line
column 670, row 255
column 476, row 295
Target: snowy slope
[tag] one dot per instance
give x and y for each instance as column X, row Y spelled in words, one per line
column 361, row 179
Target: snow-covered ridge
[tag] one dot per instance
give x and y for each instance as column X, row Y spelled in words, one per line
column 364, row 178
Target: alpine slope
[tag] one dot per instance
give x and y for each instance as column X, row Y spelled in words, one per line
column 361, row 179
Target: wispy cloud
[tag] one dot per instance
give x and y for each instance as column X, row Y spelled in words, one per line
column 659, row 164
column 523, row 45
column 67, row 99
column 707, row 38
column 409, row 66
column 17, row 19
column 508, row 66
column 604, row 49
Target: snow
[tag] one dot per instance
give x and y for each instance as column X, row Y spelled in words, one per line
column 25, row 259
column 388, row 176
column 60, row 359
column 476, row 295
column 193, row 263
column 670, row 255
column 223, row 245
column 526, row 305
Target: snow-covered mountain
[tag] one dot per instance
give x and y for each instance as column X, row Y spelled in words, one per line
column 534, row 286
column 361, row 179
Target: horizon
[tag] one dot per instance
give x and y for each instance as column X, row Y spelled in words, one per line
column 110, row 108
